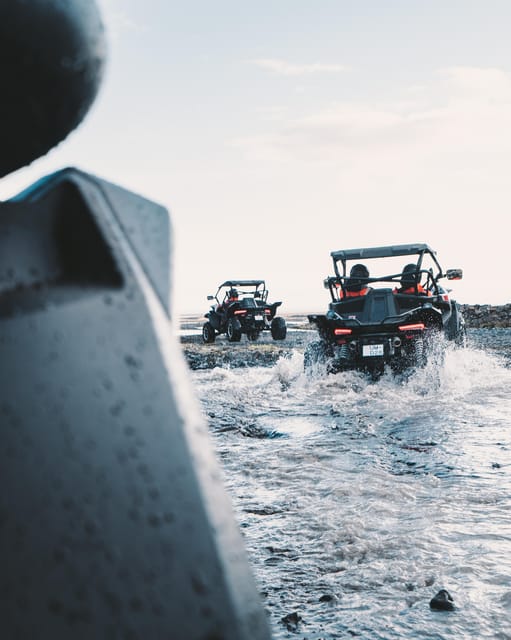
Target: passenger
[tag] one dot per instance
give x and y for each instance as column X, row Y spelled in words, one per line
column 355, row 285
column 410, row 282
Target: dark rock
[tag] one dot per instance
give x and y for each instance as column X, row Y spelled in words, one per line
column 224, row 354
column 327, row 597
column 442, row 601
column 486, row 316
column 292, row 621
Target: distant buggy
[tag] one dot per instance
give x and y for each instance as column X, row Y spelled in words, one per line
column 399, row 316
column 241, row 307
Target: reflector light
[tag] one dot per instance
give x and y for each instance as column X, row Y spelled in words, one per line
column 412, row 327
column 267, row 312
column 240, row 312
column 342, row 332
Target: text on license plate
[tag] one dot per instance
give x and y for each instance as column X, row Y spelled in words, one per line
column 372, row 350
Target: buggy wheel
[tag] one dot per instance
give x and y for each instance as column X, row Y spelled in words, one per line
column 233, row 330
column 455, row 326
column 278, row 328
column 253, row 335
column 461, row 337
column 208, row 333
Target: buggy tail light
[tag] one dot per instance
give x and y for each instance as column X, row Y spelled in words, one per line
column 419, row 326
column 342, row 332
column 267, row 312
column 240, row 312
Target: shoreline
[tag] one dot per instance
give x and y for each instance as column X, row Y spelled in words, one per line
column 477, row 316
column 487, row 316
column 266, row 352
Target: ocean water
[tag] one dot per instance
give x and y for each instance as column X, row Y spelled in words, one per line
column 358, row 500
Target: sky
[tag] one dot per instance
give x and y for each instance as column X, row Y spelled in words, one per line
column 278, row 131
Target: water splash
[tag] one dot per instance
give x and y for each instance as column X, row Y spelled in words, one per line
column 378, row 495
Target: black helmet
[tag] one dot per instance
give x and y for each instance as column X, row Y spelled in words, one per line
column 233, row 293
column 359, row 271
column 409, row 276
column 355, row 282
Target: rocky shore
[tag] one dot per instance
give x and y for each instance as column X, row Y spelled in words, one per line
column 487, row 316
column 265, row 352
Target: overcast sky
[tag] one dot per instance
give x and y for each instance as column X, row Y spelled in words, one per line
column 277, row 131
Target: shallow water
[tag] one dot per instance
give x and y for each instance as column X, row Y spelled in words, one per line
column 360, row 500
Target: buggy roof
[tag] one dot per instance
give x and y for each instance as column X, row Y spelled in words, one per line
column 241, row 283
column 381, row 252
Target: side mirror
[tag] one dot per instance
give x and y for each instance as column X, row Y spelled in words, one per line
column 211, row 297
column 454, row 274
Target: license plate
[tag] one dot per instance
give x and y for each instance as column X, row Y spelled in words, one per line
column 371, row 350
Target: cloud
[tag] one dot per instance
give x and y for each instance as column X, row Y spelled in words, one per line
column 284, row 68
column 463, row 110
column 478, row 82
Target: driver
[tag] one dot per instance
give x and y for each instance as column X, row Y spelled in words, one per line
column 230, row 297
column 355, row 284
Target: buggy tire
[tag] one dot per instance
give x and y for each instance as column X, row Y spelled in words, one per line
column 208, row 333
column 461, row 336
column 253, row 335
column 233, row 330
column 278, row 328
column 315, row 353
column 455, row 327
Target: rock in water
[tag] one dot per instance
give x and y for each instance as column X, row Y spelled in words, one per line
column 442, row 601
column 292, row 621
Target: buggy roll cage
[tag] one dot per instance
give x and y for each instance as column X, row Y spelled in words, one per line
column 345, row 255
column 259, row 289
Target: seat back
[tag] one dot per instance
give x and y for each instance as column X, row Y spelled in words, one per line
column 372, row 308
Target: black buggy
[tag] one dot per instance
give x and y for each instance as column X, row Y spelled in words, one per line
column 397, row 317
column 241, row 307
